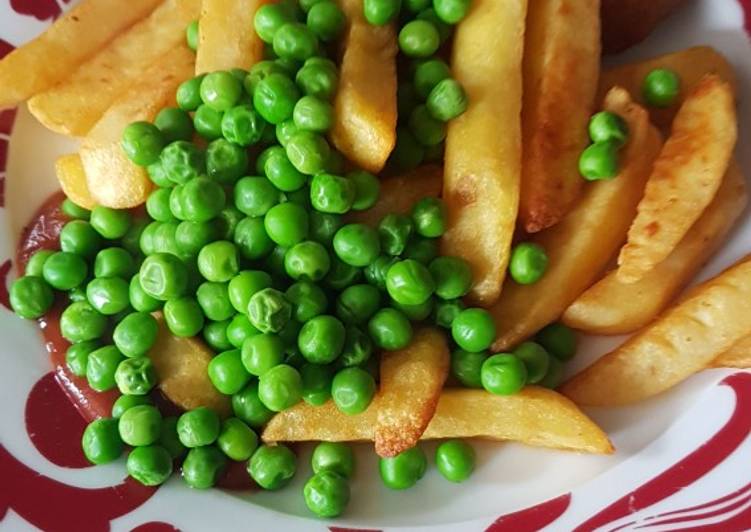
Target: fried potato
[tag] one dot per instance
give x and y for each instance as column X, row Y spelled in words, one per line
column 72, row 178
column 114, row 181
column 582, row 245
column 365, row 104
column 482, row 162
column 535, row 416
column 411, row 383
column 628, row 22
column 399, row 193
column 561, row 68
column 738, row 356
column 76, row 104
column 691, row 65
column 613, row 307
column 181, row 366
column 686, row 339
column 685, row 177
column 69, row 41
column 227, row 37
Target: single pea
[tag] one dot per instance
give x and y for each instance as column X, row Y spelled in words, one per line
column 408, row 282
column 427, row 130
column 131, row 239
column 80, row 322
column 321, row 339
column 164, row 239
column 554, row 377
column 284, row 131
column 207, row 122
column 381, row 12
column 286, row 224
column 191, row 237
column 316, row 383
column 183, row 161
column 357, row 303
column 558, row 340
column 242, row 125
column 661, row 87
column 528, row 263
column 101, row 442
column 467, row 367
column 419, row 38
column 375, row 272
column 174, row 123
column 317, row 80
column 213, row 298
column 274, row 98
column 202, row 199
column 357, row 350
column 473, row 329
column 455, row 460
column 73, row 211
column 260, row 71
column 272, row 467
column 605, row 126
column 282, row 173
column 218, row 261
column 238, row 329
column 280, row 387
column 108, row 295
column 415, row 6
column 135, row 376
column 135, row 334
column 262, row 352
column 126, row 402
column 77, row 356
column 110, row 223
column 150, row 465
column 428, row 74
column 390, row 329
column 599, row 161
column 198, row 427
column 535, row 359
column 191, row 35
column 418, row 312
column 357, row 244
column 142, row 142
column 215, row 335
column 78, row 236
column 341, row 275
column 444, row 29
column 403, row 470
column 326, row 20
column 308, row 152
column 237, row 440
column 226, row 161
column 35, row 265
column 244, row 285
column 295, row 41
column 188, row 94
column 503, row 374
column 352, row 390
column 268, row 19
column 326, row 494
column 227, row 373
column 254, row 196
column 307, row 261
column 140, row 425
column 336, row 457
column 394, row 231
column 227, row 222
column 313, row 114
column 175, row 207
column 183, row 316
column 247, row 405
column 163, row 276
column 252, row 240
column 114, row 262
column 269, row 310
column 323, row 227
column 300, row 196
column 220, row 90
column 451, row 11
column 367, row 189
column 203, row 466
column 408, row 152
column 31, row 297
column 101, row 368
column 452, row 276
column 447, row 100
column 332, row 194
column 139, row 299
column 168, row 438
column 308, row 300
column 64, row 270
column 76, row 294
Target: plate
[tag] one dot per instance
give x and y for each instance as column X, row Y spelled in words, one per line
column 681, row 460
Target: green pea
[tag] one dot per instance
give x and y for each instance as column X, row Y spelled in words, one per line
column 272, row 467
column 452, row 276
column 554, row 377
column 308, row 300
column 198, row 427
column 108, row 295
column 126, row 402
column 503, row 374
column 282, row 173
column 268, row 19
column 191, row 35
column 352, row 390
column 31, row 297
column 174, row 123
column 260, row 71
column 444, row 30
column 262, row 352
column 367, row 189
column 605, row 126
column 408, row 152
column 427, row 130
column 313, row 114
column 428, row 74
column 242, row 125
column 558, row 340
column 208, row 124
column 357, row 244
column 321, row 339
column 295, row 41
column 78, row 236
column 375, row 272
column 280, row 387
column 528, row 263
column 80, row 322
column 114, row 262
column 316, row 383
column 307, row 261
column 101, row 442
column 661, row 87
column 238, row 329
column 283, row 132
column 335, row 457
column 242, row 287
column 227, row 222
column 163, row 276
column 473, row 330
column 213, row 299
column 535, row 359
column 168, row 438
column 341, row 275
column 332, row 194
column 269, row 310
column 76, row 294
column 417, row 312
column 101, row 368
column 247, row 405
column 315, row 79
column 188, row 94
column 286, row 224
column 227, row 373
column 64, row 270
column 451, row 11
column 218, row 261
column 135, row 376
column 110, row 223
column 326, row 494
column 202, row 199
column 220, row 90
column 139, row 299
column 73, row 211
column 323, row 226
column 135, row 334
column 408, row 282
column 467, row 367
column 77, row 356
column 142, row 142
column 394, row 231
column 140, row 425
column 237, row 440
column 150, row 465
column 599, row 161
column 390, row 329
column 252, row 240
column 358, row 348
column 419, row 38
column 191, row 237
column 381, row 12
column 35, row 265
column 357, row 303
column 215, row 335
column 226, row 162
column 403, row 470
column 183, row 316
column 308, row 152
column 158, row 205
column 326, row 20
column 203, row 466
column 455, row 460
column 447, row 100
column 274, row 98
column 254, row 196
column 415, row 6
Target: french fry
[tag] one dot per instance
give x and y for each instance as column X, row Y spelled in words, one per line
column 399, row 193
column 114, row 181
column 582, row 245
column 227, row 38
column 76, row 104
column 738, row 356
column 411, row 383
column 365, row 103
column 561, row 67
column 535, row 416
column 72, row 178
column 691, row 65
column 613, row 307
column 71, row 40
column 483, row 164
column 685, row 177
column 686, row 339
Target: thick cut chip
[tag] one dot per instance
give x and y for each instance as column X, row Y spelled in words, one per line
column 686, row 339
column 535, row 416
column 561, row 68
column 483, row 146
column 69, row 41
column 72, row 178
column 613, row 307
column 628, row 22
column 582, row 245
column 411, row 383
column 114, row 181
column 365, row 104
column 685, row 177
column 227, row 36
column 76, row 104
column 738, row 356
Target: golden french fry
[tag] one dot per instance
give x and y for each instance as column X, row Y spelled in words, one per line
column 738, row 356
column 69, row 41
column 685, row 177
column 535, row 416
column 613, row 307
column 561, row 67
column 76, row 104
column 686, row 339
column 114, row 181
column 227, row 38
column 483, row 163
column 365, row 104
column 399, row 193
column 411, row 383
column 181, row 365
column 72, row 178
column 582, row 245
column 691, row 65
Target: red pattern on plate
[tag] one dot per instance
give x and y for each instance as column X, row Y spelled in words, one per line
column 5, row 48
column 4, row 271
column 39, row 9
column 340, row 529
column 533, row 518
column 155, row 526
column 6, row 120
column 746, row 6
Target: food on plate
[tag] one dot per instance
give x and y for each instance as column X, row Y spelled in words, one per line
column 685, row 177
column 738, row 356
column 628, row 22
column 685, row 339
column 561, row 67
column 411, row 383
column 614, row 307
column 483, row 168
column 580, row 247
column 72, row 179
column 73, row 106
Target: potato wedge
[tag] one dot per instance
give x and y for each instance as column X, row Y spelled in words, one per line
column 114, row 181
column 613, row 307
column 72, row 178
column 628, row 22
column 738, row 356
column 685, row 177
column 691, row 65
column 399, row 193
column 686, row 339
column 227, row 37
column 561, row 68
column 181, row 365
column 535, row 416
column 72, row 39
column 365, row 104
column 411, row 383
column 482, row 163
column 582, row 245
column 76, row 104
